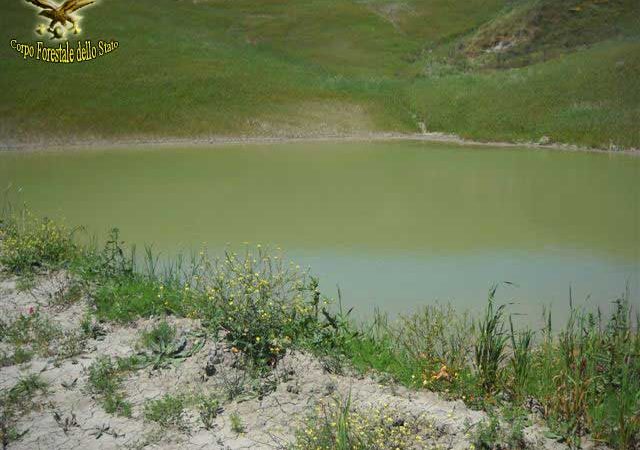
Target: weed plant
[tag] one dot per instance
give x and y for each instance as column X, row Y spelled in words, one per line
column 104, row 380
column 29, row 244
column 167, row 411
column 237, row 426
column 341, row 426
column 208, row 408
column 16, row 402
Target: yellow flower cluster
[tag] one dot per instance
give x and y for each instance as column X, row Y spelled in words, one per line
column 375, row 428
column 28, row 242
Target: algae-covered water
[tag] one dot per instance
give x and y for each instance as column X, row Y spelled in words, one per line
column 394, row 224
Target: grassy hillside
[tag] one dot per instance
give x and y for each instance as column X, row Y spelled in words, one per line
column 589, row 97
column 486, row 69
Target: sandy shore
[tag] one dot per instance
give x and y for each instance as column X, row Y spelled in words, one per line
column 147, row 142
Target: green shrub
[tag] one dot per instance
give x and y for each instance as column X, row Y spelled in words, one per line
column 103, row 376
column 27, row 387
column 33, row 331
column 117, row 404
column 19, row 356
column 126, row 299
column 163, row 349
column 265, row 306
column 338, row 425
column 159, row 337
column 104, row 380
column 18, row 401
column 237, row 426
column 167, row 412
column 29, row 244
column 125, row 292
column 435, row 335
column 208, row 408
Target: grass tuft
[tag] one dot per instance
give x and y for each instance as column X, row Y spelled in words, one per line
column 17, row 402
column 167, row 411
column 490, row 346
column 237, row 426
column 104, row 380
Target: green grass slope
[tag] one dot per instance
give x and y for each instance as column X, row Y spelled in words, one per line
column 590, row 97
column 311, row 67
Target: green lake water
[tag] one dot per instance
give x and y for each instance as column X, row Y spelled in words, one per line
column 394, row 224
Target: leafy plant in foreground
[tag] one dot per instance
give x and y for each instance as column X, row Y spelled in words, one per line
column 164, row 348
